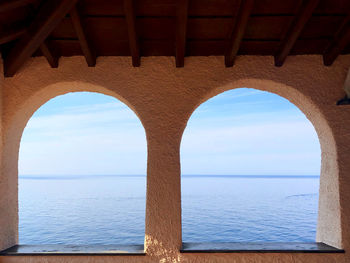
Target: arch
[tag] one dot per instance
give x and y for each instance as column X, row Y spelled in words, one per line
column 329, row 227
column 14, row 126
column 329, row 216
column 25, row 111
column 40, row 97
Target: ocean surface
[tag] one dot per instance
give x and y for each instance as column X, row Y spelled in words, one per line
column 111, row 209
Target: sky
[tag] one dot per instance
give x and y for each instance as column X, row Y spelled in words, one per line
column 239, row 132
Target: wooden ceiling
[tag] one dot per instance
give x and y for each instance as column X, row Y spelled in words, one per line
column 179, row 28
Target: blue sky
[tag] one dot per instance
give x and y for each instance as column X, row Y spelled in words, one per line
column 241, row 132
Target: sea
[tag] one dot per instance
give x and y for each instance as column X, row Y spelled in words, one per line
column 100, row 209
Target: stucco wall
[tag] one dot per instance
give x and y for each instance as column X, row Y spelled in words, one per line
column 164, row 97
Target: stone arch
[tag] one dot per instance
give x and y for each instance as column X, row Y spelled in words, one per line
column 43, row 95
column 329, row 228
column 15, row 125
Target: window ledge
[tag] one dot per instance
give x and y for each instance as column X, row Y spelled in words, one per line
column 263, row 247
column 138, row 250
column 58, row 250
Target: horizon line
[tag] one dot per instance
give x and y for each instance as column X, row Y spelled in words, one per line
column 67, row 176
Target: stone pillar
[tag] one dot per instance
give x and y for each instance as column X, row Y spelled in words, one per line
column 329, row 218
column 163, row 209
column 8, row 189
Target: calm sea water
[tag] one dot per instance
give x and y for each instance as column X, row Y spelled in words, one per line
column 111, row 209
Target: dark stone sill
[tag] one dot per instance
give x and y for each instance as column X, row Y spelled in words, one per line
column 138, row 250
column 263, row 247
column 74, row 250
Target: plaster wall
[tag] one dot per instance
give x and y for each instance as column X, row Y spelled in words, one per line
column 164, row 98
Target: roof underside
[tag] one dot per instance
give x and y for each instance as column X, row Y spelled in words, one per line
column 177, row 28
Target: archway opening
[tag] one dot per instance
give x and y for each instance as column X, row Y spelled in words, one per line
column 82, row 173
column 250, row 171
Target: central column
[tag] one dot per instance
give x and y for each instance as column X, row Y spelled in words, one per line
column 163, row 208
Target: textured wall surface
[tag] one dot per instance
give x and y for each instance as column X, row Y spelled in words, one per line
column 164, row 98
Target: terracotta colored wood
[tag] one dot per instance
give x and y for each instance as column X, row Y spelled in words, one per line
column 298, row 25
column 304, row 46
column 209, row 7
column 46, row 20
column 206, row 28
column 65, row 29
column 16, row 17
column 194, row 47
column 334, row 7
column 181, row 29
column 238, row 31
column 132, row 32
column 154, row 28
column 213, row 7
column 105, row 27
column 276, row 7
column 321, row 27
column 84, row 43
column 262, row 28
column 68, row 47
column 161, row 8
column 11, row 34
column 51, row 57
column 13, row 4
column 267, row 28
column 341, row 40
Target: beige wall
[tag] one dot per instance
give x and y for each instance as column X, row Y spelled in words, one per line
column 164, row 97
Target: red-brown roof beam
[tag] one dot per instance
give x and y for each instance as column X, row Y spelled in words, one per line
column 11, row 34
column 238, row 31
column 338, row 44
column 12, row 4
column 48, row 17
column 132, row 32
column 181, row 29
column 84, row 43
column 297, row 27
column 51, row 57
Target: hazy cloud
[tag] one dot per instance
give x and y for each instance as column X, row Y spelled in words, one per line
column 238, row 132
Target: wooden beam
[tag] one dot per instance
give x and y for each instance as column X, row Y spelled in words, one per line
column 12, row 4
column 132, row 32
column 238, row 31
column 297, row 27
column 84, row 43
column 11, row 34
column 48, row 17
column 338, row 44
column 51, row 57
column 181, row 29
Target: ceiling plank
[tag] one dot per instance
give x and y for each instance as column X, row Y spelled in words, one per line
column 84, row 43
column 132, row 32
column 238, row 31
column 48, row 17
column 51, row 57
column 11, row 34
column 181, row 30
column 341, row 40
column 303, row 16
column 12, row 4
